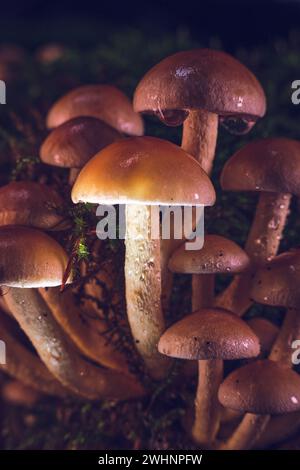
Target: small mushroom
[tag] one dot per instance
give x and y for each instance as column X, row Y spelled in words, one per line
column 272, row 168
column 217, row 256
column 73, row 143
column 208, row 336
column 104, row 102
column 141, row 172
column 31, row 204
column 22, row 270
column 259, row 389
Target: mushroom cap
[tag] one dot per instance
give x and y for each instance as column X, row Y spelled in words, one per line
column 264, row 165
column 104, row 102
column 143, row 170
column 278, row 283
column 30, row 258
column 201, row 79
column 209, row 334
column 218, row 255
column 266, row 332
column 261, row 387
column 75, row 142
column 32, row 204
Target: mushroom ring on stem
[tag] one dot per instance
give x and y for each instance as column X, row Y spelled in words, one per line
column 23, row 270
column 143, row 172
column 208, row 336
column 272, row 168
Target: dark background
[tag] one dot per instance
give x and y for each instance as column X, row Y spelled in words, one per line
column 81, row 23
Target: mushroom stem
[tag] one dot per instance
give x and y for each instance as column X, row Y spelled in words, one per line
column 73, row 173
column 26, row 367
column 143, row 287
column 86, row 332
column 261, row 246
column 247, row 433
column 60, row 356
column 282, row 348
column 203, row 289
column 207, row 408
column 199, row 137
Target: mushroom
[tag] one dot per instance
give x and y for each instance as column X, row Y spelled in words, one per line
column 196, row 87
column 266, row 332
column 23, row 269
column 25, row 366
column 272, row 168
column 260, row 389
column 73, row 143
column 208, row 336
column 31, row 204
column 218, row 255
column 104, row 102
column 143, row 172
column 38, row 206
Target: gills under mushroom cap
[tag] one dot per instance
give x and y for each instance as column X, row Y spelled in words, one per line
column 209, row 334
column 143, row 170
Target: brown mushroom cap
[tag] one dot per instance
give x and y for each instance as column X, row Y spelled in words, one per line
column 278, row 283
column 143, row 170
column 266, row 332
column 218, row 255
column 75, row 142
column 30, row 258
column 209, row 334
column 262, row 387
column 31, row 204
column 201, row 79
column 104, row 102
column 264, row 165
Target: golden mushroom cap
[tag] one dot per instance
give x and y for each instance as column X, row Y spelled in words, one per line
column 143, row 170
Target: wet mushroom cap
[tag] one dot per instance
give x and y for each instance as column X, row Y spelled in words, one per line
column 201, row 79
column 262, row 387
column 30, row 258
column 104, row 102
column 72, row 144
column 209, row 334
column 266, row 332
column 264, row 165
column 143, row 170
column 278, row 282
column 218, row 255
column 31, row 204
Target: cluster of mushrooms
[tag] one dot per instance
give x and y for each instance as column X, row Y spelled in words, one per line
column 97, row 134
